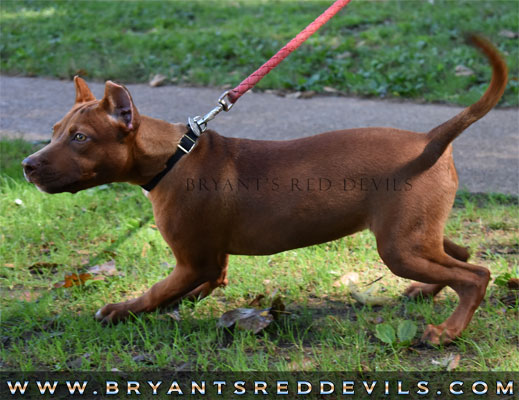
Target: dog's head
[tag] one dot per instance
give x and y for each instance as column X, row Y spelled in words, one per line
column 90, row 146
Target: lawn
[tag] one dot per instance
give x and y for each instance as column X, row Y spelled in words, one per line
column 44, row 238
column 394, row 49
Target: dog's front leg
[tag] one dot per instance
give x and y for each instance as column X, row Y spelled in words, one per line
column 182, row 281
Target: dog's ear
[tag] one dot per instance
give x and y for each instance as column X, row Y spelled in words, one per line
column 83, row 93
column 118, row 102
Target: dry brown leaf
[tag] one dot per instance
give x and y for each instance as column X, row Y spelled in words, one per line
column 174, row 315
column 346, row 279
column 256, row 322
column 307, row 95
column 24, row 295
column 9, row 265
column 107, row 269
column 157, row 80
column 144, row 251
column 303, row 365
column 40, row 267
column 80, row 362
column 366, row 297
column 511, row 299
column 461, row 70
column 257, row 300
column 248, row 319
column 329, row 89
column 509, row 34
column 513, row 284
column 73, row 280
column 344, row 55
column 144, row 359
column 453, row 364
column 445, row 361
column 277, row 307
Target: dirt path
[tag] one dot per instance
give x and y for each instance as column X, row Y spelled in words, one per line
column 486, row 155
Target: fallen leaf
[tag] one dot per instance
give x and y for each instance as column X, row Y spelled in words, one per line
column 9, row 265
column 294, row 95
column 307, row 95
column 508, row 34
column 144, row 251
column 40, row 267
column 461, row 70
column 513, row 284
column 246, row 319
column 80, row 362
column 453, row 364
column 83, row 252
column 73, row 280
column 366, row 297
column 174, row 315
column 279, row 93
column 157, row 80
column 277, row 307
column 511, row 300
column 303, row 365
column 144, row 359
column 346, row 279
column 107, row 269
column 445, row 361
column 257, row 300
column 24, row 295
column 342, row 56
column 329, row 89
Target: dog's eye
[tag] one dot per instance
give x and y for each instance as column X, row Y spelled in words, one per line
column 80, row 137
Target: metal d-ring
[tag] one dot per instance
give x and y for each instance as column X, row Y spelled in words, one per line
column 198, row 124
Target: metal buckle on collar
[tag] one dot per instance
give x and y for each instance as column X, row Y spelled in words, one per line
column 184, row 150
column 187, row 145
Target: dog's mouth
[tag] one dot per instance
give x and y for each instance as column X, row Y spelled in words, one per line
column 27, row 177
column 51, row 182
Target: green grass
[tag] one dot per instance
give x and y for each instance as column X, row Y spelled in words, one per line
column 44, row 328
column 398, row 49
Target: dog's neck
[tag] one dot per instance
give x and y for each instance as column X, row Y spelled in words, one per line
column 155, row 142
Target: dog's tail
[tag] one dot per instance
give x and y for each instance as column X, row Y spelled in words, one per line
column 441, row 136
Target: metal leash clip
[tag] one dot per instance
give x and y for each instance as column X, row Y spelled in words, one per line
column 198, row 124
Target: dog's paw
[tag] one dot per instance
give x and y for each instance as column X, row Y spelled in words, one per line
column 422, row 290
column 112, row 313
column 437, row 334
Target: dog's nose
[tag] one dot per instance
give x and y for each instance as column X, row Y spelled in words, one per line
column 30, row 164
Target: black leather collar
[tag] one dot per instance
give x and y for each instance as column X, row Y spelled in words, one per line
column 185, row 145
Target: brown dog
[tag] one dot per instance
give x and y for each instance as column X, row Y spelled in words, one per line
column 235, row 196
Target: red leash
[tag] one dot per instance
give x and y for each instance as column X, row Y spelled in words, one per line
column 257, row 75
column 227, row 99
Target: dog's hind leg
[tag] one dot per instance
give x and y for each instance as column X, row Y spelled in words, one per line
column 419, row 255
column 418, row 289
column 425, row 261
